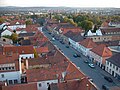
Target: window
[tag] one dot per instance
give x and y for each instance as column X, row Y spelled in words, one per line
column 116, row 68
column 110, row 70
column 40, row 85
column 13, row 68
column 10, row 82
column 110, row 64
column 113, row 66
column 9, row 68
column 48, row 84
column 15, row 81
column 2, row 75
column 107, row 63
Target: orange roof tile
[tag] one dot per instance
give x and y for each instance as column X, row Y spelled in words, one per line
column 42, row 50
column 10, row 58
column 18, row 49
column 79, row 84
column 102, row 51
column 50, row 66
column 88, row 43
column 28, row 86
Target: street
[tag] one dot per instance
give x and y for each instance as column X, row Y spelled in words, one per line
column 96, row 74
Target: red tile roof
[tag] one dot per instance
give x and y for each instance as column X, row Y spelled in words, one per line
column 88, row 43
column 18, row 49
column 47, row 68
column 21, row 22
column 79, row 84
column 4, row 59
column 73, row 29
column 102, row 51
column 42, row 50
column 28, row 86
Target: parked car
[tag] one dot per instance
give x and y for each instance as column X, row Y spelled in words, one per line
column 53, row 39
column 91, row 65
column 67, row 46
column 105, row 87
column 86, row 61
column 109, row 79
column 76, row 55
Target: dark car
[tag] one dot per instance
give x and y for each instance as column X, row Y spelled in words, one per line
column 67, row 46
column 86, row 61
column 105, row 87
column 76, row 55
column 109, row 79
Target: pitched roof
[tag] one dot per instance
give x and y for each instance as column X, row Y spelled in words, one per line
column 88, row 43
column 26, row 34
column 102, row 51
column 79, row 84
column 42, row 50
column 73, row 29
column 74, row 36
column 10, row 58
column 18, row 49
column 18, row 22
column 109, row 29
column 28, row 86
column 115, row 59
column 47, row 68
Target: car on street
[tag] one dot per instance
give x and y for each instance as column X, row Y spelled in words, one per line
column 76, row 55
column 105, row 87
column 67, row 46
column 86, row 61
column 53, row 39
column 91, row 65
column 109, row 79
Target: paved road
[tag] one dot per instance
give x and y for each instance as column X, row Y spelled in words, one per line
column 96, row 74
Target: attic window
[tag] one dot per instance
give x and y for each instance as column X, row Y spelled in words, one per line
column 2, row 75
column 40, row 85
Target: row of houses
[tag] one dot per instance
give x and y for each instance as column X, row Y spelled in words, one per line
column 96, row 47
column 36, row 64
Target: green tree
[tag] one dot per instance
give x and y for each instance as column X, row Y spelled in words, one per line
column 28, row 22
column 87, row 25
column 14, row 37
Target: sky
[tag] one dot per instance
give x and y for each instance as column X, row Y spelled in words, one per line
column 56, row 3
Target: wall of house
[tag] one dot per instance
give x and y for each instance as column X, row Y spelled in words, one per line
column 43, row 85
column 8, row 41
column 95, row 58
column 101, row 38
column 10, row 77
column 6, row 32
column 13, row 27
column 24, row 56
column 112, row 69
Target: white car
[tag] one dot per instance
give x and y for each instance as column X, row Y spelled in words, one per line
column 53, row 39
column 91, row 65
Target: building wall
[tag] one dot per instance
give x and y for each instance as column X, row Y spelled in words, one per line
column 24, row 56
column 43, row 85
column 95, row 58
column 101, row 38
column 15, row 75
column 112, row 69
column 6, row 32
column 13, row 27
